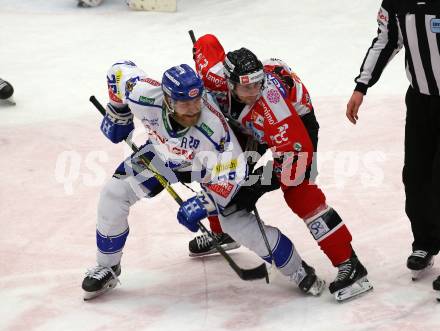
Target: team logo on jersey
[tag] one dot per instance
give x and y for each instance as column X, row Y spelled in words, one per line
column 193, row 92
column 435, row 25
column 273, row 96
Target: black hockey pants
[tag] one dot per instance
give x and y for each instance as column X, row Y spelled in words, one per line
column 421, row 171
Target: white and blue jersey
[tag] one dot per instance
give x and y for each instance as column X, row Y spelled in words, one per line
column 209, row 149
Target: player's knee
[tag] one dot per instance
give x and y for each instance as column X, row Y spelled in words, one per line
column 305, row 199
column 117, row 192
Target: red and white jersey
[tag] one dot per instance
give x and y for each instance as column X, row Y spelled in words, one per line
column 275, row 119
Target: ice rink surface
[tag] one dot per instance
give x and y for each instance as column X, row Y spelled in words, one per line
column 54, row 160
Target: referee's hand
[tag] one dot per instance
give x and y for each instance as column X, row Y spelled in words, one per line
column 353, row 106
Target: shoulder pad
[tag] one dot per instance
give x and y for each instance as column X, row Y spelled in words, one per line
column 146, row 92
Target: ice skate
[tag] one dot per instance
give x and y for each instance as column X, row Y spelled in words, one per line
column 153, row 5
column 419, row 262
column 436, row 286
column 203, row 245
column 350, row 281
column 307, row 280
column 100, row 280
column 6, row 92
column 89, row 3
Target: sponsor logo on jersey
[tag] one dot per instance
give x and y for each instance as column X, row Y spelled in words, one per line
column 206, row 129
column 232, row 165
column 146, row 100
column 273, row 96
column 267, row 112
column 118, row 77
column 280, row 137
column 435, row 25
column 297, row 147
column 150, row 81
column 194, row 92
column 222, row 189
column 216, row 80
column 275, row 82
column 151, row 121
column 163, row 141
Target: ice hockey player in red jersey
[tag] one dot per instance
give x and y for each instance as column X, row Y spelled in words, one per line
column 271, row 103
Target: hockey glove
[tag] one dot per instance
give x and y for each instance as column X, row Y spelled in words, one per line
column 193, row 210
column 117, row 123
column 247, row 196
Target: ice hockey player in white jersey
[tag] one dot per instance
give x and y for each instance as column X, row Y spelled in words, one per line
column 188, row 140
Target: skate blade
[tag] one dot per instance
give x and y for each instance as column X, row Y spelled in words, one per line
column 109, row 286
column 153, row 5
column 359, row 287
column 317, row 287
column 226, row 247
column 418, row 274
column 10, row 101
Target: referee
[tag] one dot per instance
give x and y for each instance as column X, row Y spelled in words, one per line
column 414, row 25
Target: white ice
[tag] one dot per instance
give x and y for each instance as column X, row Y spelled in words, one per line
column 54, row 161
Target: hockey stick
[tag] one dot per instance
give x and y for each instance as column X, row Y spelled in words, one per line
column 263, row 234
column 259, row 272
column 192, row 36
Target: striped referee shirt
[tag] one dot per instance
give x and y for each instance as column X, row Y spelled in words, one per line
column 414, row 25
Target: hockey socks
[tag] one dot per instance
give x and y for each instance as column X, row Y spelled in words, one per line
column 331, row 234
column 289, row 263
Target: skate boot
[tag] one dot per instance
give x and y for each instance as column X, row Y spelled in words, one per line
column 203, row 245
column 89, row 3
column 6, row 91
column 100, row 280
column 154, row 5
column 436, row 286
column 419, row 262
column 351, row 280
column 307, row 280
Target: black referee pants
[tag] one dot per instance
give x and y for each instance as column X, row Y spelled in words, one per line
column 421, row 171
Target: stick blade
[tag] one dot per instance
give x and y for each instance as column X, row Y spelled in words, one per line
column 259, row 272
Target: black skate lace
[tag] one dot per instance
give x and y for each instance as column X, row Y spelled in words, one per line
column 344, row 270
column 203, row 241
column 100, row 272
column 419, row 253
